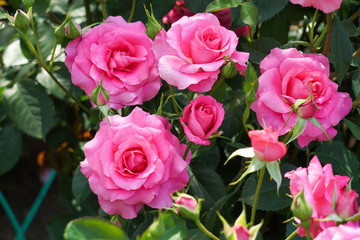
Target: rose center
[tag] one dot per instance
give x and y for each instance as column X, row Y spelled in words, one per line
column 205, row 117
column 120, row 60
column 211, row 38
column 134, row 160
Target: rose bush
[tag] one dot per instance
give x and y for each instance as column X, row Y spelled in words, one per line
column 121, row 54
column 135, row 160
column 193, row 50
column 286, row 76
column 201, row 118
column 319, row 184
column 266, row 145
column 326, row 6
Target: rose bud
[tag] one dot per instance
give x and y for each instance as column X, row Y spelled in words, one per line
column 60, row 31
column 201, row 118
column 21, row 21
column 347, row 205
column 99, row 95
column 73, row 30
column 229, row 70
column 187, row 206
column 152, row 26
column 302, row 209
column 266, row 145
column 306, row 109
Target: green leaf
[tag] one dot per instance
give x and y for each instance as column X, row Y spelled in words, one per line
column 259, row 48
column 343, row 161
column 10, row 148
column 93, row 229
column 355, row 129
column 251, row 83
column 350, row 28
column 249, row 13
column 297, row 129
column 269, row 200
column 64, row 77
column 206, row 184
column 255, row 165
column 30, row 108
column 356, row 83
column 167, row 226
column 341, row 49
column 276, row 28
column 13, row 56
column 268, row 9
column 220, row 92
column 316, row 122
column 274, row 171
column 45, row 35
column 80, row 186
column 218, row 5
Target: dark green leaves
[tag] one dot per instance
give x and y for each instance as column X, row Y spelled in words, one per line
column 268, row 9
column 249, row 14
column 343, row 161
column 93, row 229
column 80, row 186
column 341, row 49
column 168, row 226
column 30, row 108
column 10, row 148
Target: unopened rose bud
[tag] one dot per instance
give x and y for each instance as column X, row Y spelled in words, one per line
column 21, row 21
column 99, row 95
column 73, row 30
column 307, row 109
column 28, row 3
column 302, row 209
column 188, row 207
column 346, row 205
column 229, row 70
column 60, row 31
column 152, row 26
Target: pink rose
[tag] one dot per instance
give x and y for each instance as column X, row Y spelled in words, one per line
column 340, row 233
column 266, row 145
column 347, row 205
column 192, row 52
column 318, row 184
column 178, row 11
column 241, row 232
column 326, row 6
column 286, row 76
column 121, row 54
column 135, row 161
column 201, row 118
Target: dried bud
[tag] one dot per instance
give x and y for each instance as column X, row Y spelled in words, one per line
column 187, row 206
column 21, row 21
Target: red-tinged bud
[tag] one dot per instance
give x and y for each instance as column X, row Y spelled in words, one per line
column 307, row 109
column 73, row 30
column 21, row 21
column 188, row 207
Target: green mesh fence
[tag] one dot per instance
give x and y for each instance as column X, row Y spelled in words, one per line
column 21, row 229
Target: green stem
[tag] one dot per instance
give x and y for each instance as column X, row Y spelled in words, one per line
column 174, row 100
column 45, row 67
column 319, row 40
column 132, row 10
column 355, row 15
column 221, row 78
column 257, row 193
column 36, row 39
column 103, row 9
column 191, row 97
column 188, row 147
column 328, row 36
column 88, row 12
column 356, row 53
column 246, row 116
column 287, row 137
column 308, row 235
column 292, row 235
column 204, row 230
column 311, row 33
column 53, row 53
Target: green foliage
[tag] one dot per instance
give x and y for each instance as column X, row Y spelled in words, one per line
column 30, row 108
column 268, row 9
column 92, row 229
column 80, row 186
column 222, row 4
column 167, row 226
column 249, row 13
column 10, row 147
